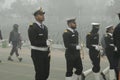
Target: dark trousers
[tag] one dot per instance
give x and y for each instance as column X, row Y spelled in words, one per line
column 41, row 63
column 95, row 58
column 14, row 49
column 116, row 60
column 73, row 60
column 113, row 60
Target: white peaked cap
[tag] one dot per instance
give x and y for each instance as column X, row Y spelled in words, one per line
column 95, row 23
column 109, row 26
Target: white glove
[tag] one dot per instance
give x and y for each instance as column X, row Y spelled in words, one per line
column 111, row 44
column 9, row 44
column 115, row 48
column 49, row 42
column 78, row 47
column 96, row 47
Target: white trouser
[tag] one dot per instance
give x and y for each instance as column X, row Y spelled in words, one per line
column 97, row 76
column 68, row 78
column 86, row 73
column 112, row 74
column 76, row 77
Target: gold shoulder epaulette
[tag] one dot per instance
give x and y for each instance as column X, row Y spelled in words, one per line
column 89, row 34
column 65, row 31
column 30, row 24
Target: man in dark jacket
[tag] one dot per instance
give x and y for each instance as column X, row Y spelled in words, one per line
column 72, row 53
column 116, row 36
column 38, row 36
column 111, row 52
column 116, row 39
column 92, row 43
column 14, row 40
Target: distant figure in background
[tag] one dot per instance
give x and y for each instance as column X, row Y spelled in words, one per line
column 116, row 39
column 0, row 39
column 72, row 53
column 1, row 35
column 14, row 40
column 111, row 53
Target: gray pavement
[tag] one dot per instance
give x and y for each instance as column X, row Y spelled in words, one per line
column 25, row 71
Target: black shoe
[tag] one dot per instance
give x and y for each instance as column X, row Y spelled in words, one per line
column 20, row 59
column 103, row 75
column 82, row 76
column 10, row 59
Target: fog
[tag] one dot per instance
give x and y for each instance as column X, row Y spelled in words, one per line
column 57, row 11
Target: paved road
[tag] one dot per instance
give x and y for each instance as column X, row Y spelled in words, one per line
column 25, row 70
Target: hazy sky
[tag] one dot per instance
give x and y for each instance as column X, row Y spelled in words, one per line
column 6, row 4
column 86, row 11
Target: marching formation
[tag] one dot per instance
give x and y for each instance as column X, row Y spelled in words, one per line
column 40, row 45
column 41, row 53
